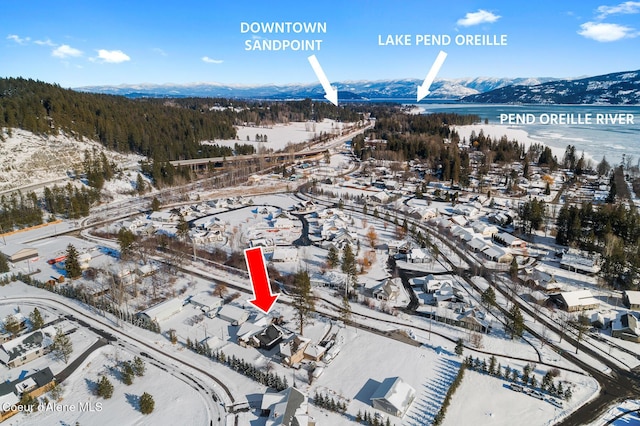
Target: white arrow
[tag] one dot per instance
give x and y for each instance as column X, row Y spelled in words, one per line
column 424, row 89
column 331, row 93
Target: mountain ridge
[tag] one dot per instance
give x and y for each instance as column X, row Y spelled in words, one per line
column 619, row 88
column 360, row 89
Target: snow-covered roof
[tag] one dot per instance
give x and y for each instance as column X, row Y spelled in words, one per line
column 396, row 393
column 579, row 298
column 26, row 344
column 284, row 254
column 233, row 314
column 633, row 297
column 163, row 310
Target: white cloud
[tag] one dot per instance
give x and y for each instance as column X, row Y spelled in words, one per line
column 18, row 39
column 66, row 51
column 159, row 51
column 479, row 17
column 626, row 8
column 212, row 61
column 603, row 32
column 46, row 42
column 112, row 56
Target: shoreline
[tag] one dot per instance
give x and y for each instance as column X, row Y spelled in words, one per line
column 514, row 133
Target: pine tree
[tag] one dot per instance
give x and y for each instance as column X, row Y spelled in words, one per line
column 349, row 266
column 345, row 310
column 126, row 241
column 515, row 322
column 533, row 381
column 568, row 394
column 36, row 319
column 138, row 366
column 147, row 404
column 127, row 372
column 141, row 186
column 332, row 257
column 62, row 348
column 4, row 265
column 492, row 365
column 105, row 388
column 488, row 297
column 459, row 347
column 71, row 263
column 155, row 204
column 303, row 301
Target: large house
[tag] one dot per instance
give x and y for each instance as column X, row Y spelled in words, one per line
column 393, row 396
column 28, row 347
column 579, row 300
column 627, row 327
column 286, row 408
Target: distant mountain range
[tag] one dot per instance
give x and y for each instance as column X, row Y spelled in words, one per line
column 621, row 88
column 381, row 89
column 615, row 88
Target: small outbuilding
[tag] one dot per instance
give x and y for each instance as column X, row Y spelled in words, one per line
column 393, row 396
column 162, row 310
column 233, row 314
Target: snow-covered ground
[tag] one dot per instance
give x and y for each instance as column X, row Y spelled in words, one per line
column 175, row 401
column 29, row 159
column 281, row 135
column 485, row 400
column 629, row 419
column 496, row 131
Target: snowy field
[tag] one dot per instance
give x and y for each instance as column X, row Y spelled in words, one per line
column 485, row 400
column 175, row 401
column 281, row 135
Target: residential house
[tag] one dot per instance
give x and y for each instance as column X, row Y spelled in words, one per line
column 393, row 396
column 269, row 337
column 292, row 351
column 473, row 319
column 419, row 255
column 497, row 254
column 431, row 283
column 579, row 300
column 314, row 352
column 286, row 408
column 332, row 279
column 33, row 385
column 577, row 262
column 509, row 240
column 390, row 290
column 476, row 244
column 632, row 299
column 28, row 347
column 484, row 229
column 626, row 327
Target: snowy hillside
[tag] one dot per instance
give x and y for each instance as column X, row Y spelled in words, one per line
column 30, row 159
column 621, row 88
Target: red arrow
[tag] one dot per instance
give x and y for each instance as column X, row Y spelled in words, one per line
column 263, row 298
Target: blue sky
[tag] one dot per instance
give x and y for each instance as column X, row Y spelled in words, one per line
column 79, row 43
